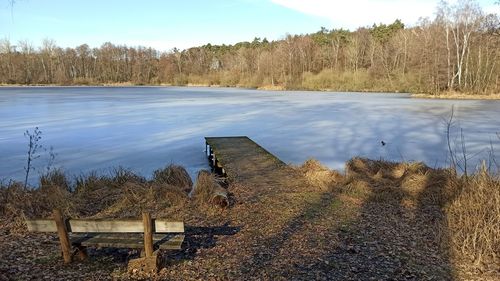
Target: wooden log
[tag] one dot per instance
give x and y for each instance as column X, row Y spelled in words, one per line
column 148, row 234
column 220, row 197
column 63, row 236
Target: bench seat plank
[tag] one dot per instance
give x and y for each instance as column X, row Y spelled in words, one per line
column 129, row 240
column 174, row 243
column 113, row 243
column 119, row 226
column 163, row 226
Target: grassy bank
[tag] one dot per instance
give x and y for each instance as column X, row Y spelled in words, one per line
column 378, row 219
column 458, row 96
column 326, row 80
column 120, row 193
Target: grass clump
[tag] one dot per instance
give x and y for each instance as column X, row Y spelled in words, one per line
column 473, row 219
column 18, row 203
column 120, row 176
column 385, row 180
column 319, row 176
column 208, row 191
column 468, row 205
column 120, row 193
column 134, row 198
column 174, row 175
column 54, row 178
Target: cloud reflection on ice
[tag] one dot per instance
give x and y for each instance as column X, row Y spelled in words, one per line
column 144, row 128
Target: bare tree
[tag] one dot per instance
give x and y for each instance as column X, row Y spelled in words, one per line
column 462, row 20
column 457, row 50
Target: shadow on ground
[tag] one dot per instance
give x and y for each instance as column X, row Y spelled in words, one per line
column 199, row 238
column 375, row 226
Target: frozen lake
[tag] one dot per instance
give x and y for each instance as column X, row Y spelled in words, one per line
column 145, row 128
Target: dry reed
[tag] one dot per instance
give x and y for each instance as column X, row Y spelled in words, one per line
column 119, row 194
column 473, row 219
column 208, row 191
column 174, row 175
column 319, row 176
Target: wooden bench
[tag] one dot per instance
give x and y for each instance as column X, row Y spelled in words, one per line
column 148, row 234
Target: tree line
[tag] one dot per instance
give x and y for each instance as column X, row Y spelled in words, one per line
column 458, row 50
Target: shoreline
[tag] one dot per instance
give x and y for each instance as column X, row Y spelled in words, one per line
column 277, row 88
column 426, row 211
column 457, row 96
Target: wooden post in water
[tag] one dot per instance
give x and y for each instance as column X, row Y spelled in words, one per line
column 63, row 235
column 148, row 234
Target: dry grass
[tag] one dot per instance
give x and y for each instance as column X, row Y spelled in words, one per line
column 271, row 88
column 208, row 191
column 120, row 176
column 16, row 204
column 54, row 178
column 204, row 187
column 358, row 81
column 174, row 175
column 390, row 180
column 473, row 219
column 458, row 96
column 470, row 205
column 118, row 194
column 135, row 198
column 319, row 176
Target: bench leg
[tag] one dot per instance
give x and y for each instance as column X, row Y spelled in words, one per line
column 142, row 254
column 63, row 235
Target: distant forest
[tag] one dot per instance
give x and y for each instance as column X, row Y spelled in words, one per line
column 458, row 50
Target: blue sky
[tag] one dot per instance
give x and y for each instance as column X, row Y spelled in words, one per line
column 185, row 23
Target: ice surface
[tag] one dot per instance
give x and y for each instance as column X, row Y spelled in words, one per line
column 145, row 128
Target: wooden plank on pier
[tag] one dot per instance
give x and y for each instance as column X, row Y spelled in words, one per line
column 243, row 159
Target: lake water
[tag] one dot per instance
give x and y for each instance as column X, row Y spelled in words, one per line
column 145, row 128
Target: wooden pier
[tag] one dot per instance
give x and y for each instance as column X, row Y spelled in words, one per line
column 241, row 159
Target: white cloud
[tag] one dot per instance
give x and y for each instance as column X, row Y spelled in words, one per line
column 355, row 13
